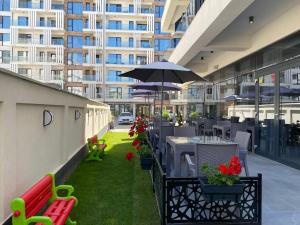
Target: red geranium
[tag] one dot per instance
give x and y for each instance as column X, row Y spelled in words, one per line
column 135, row 142
column 138, row 148
column 94, row 139
column 223, row 169
column 131, row 133
column 129, row 156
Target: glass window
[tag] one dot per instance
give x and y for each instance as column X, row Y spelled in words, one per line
column 157, row 29
column 114, row 42
column 159, row 10
column 74, row 41
column 114, row 58
column 141, row 60
column 75, row 8
column 162, row 44
column 4, row 21
column 145, row 43
column 4, row 39
column 145, row 10
column 113, row 75
column 22, row 21
column 74, row 58
column 87, row 6
column 4, row 5
column 114, row 7
column 74, row 25
column 131, row 25
column 57, row 41
column 141, row 26
column 131, row 8
column 130, row 42
column 131, row 59
column 114, row 24
column 5, row 56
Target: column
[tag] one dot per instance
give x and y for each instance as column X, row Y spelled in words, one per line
column 134, row 110
column 185, row 116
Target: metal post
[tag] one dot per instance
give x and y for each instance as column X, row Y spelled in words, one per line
column 161, row 111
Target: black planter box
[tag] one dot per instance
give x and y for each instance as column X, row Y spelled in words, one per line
column 213, row 192
column 146, row 163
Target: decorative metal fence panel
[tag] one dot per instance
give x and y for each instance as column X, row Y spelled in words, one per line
column 185, row 204
column 181, row 201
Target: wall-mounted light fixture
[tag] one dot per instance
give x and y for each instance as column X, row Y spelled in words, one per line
column 211, row 51
column 47, row 118
column 251, row 19
column 202, row 58
column 77, row 114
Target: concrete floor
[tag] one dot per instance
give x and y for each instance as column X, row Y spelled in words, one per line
column 280, row 191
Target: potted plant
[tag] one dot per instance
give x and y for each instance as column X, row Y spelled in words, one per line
column 179, row 120
column 166, row 115
column 222, row 182
column 140, row 143
column 194, row 115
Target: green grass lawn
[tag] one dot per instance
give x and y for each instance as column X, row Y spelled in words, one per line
column 114, row 191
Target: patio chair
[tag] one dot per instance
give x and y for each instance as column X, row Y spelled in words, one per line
column 166, row 131
column 184, row 131
column 242, row 138
column 212, row 154
column 207, row 128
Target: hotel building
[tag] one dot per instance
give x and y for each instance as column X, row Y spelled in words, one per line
column 82, row 46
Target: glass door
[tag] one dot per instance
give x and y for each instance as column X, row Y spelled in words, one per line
column 289, row 116
column 267, row 131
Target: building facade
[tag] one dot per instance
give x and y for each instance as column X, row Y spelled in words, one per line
column 254, row 56
column 82, row 46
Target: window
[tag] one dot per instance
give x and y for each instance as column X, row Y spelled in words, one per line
column 130, row 42
column 41, row 38
column 113, row 75
column 4, row 21
column 174, row 42
column 131, row 59
column 114, row 58
column 145, row 43
column 157, row 29
column 74, row 41
column 42, row 21
column 114, row 42
column 141, row 26
column 74, row 25
column 75, row 8
column 114, row 7
column 162, row 44
column 5, row 56
column 4, row 39
column 4, row 5
column 87, row 6
column 22, row 21
column 57, row 41
column 114, row 24
column 141, row 60
column 24, row 71
column 159, row 10
column 87, row 41
column 131, row 25
column 74, row 58
column 131, row 9
column 145, row 10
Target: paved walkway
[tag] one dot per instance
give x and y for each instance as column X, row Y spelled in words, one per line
column 280, row 192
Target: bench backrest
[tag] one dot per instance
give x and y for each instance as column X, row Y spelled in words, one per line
column 38, row 196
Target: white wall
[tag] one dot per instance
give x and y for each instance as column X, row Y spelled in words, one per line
column 28, row 150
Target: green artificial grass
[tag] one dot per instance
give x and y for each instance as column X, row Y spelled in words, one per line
column 114, row 191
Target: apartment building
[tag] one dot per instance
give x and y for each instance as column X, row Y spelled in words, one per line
column 82, row 46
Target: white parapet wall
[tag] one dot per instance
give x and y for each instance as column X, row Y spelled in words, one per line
column 29, row 150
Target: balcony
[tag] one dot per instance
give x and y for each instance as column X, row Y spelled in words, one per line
column 127, row 27
column 30, row 5
column 57, row 6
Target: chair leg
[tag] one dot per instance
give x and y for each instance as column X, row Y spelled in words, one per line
column 246, row 167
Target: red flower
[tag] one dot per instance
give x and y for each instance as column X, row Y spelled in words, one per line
column 135, row 142
column 94, row 139
column 138, row 148
column 140, row 129
column 131, row 133
column 132, row 127
column 238, row 169
column 223, row 169
column 129, row 156
column 231, row 170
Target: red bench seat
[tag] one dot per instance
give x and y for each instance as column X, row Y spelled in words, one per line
column 43, row 193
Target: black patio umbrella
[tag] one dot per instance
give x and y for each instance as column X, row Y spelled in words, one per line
column 163, row 71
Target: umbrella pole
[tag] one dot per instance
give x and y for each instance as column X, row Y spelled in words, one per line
column 161, row 113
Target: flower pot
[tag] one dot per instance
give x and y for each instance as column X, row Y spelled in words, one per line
column 146, row 163
column 214, row 192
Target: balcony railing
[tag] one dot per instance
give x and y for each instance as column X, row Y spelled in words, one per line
column 118, row 96
column 126, row 62
column 89, row 78
column 129, row 45
column 127, row 27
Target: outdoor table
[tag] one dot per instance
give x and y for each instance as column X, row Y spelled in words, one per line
column 176, row 146
column 222, row 128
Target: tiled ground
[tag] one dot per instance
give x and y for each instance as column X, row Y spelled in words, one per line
column 281, row 191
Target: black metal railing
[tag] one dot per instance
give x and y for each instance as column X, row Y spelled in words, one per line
column 180, row 201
